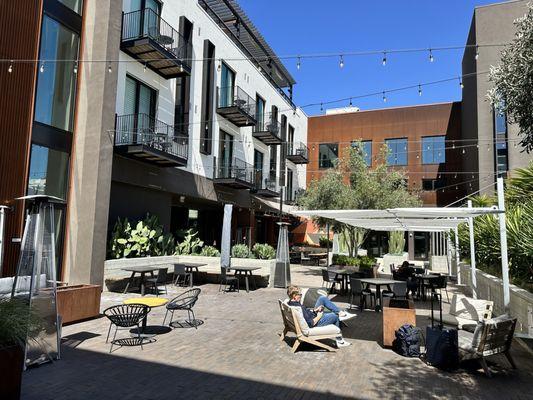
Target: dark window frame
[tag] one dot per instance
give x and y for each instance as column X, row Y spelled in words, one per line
column 406, row 151
column 432, row 140
column 153, row 103
column 330, row 162
column 208, row 101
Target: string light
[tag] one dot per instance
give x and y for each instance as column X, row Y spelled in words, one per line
column 42, row 68
column 384, row 61
column 431, row 59
column 144, row 67
column 351, row 102
column 76, row 67
column 299, row 63
column 10, row 69
column 341, row 62
column 109, row 67
column 461, row 83
column 477, row 53
column 321, row 107
column 219, row 66
column 419, row 90
column 384, row 98
column 464, row 151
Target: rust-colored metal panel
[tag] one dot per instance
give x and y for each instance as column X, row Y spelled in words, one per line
column 19, row 30
column 412, row 123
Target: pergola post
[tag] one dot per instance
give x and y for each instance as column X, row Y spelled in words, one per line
column 457, row 256
column 503, row 246
column 472, row 254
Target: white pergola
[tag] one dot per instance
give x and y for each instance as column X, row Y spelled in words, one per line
column 427, row 219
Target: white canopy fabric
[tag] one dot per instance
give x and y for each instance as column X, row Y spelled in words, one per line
column 397, row 224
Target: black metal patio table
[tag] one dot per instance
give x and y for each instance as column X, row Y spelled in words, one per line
column 246, row 272
column 423, row 281
column 378, row 282
column 142, row 270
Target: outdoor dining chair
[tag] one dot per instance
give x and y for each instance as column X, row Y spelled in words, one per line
column 160, row 279
column 356, row 289
column 126, row 316
column 329, row 279
column 440, row 283
column 227, row 280
column 181, row 276
column 184, row 301
column 399, row 290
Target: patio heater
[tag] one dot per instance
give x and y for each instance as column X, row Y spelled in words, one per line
column 36, row 281
column 225, row 245
column 282, row 272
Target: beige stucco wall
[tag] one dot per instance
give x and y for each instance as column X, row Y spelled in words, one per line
column 92, row 151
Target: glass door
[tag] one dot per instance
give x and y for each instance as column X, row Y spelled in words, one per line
column 227, row 86
column 151, row 11
column 226, row 154
column 260, row 111
column 258, row 167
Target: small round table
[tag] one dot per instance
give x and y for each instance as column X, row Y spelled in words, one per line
column 152, row 330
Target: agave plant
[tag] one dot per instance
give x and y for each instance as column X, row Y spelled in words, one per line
column 396, row 242
column 264, row 251
column 191, row 244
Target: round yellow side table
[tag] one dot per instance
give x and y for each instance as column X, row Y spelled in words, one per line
column 151, row 330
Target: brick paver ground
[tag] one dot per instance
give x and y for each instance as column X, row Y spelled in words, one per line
column 236, row 354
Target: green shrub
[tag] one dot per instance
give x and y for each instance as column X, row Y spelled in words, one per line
column 340, row 259
column 190, row 245
column 18, row 322
column 210, row 251
column 366, row 262
column 264, row 251
column 325, row 242
column 240, row 251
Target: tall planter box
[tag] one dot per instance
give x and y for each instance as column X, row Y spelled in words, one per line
column 396, row 312
column 78, row 302
column 11, row 365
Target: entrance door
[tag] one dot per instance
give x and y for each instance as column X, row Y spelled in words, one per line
column 226, row 154
column 421, row 240
column 227, row 86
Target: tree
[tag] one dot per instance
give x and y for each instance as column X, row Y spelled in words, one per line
column 512, row 93
column 351, row 184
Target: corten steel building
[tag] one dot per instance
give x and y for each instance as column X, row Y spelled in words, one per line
column 498, row 152
column 169, row 108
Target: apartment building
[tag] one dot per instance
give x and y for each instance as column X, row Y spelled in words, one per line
column 171, row 109
column 498, row 151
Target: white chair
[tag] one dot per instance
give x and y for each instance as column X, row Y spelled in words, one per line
column 467, row 312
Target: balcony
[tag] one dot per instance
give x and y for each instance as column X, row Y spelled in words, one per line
column 265, row 187
column 144, row 138
column 236, row 106
column 298, row 153
column 235, row 173
column 267, row 131
column 151, row 40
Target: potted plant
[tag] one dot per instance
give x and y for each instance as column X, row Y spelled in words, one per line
column 18, row 323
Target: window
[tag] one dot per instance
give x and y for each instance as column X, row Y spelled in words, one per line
column 397, row 151
column 74, row 5
column 290, row 137
column 183, row 85
column 260, row 112
column 139, row 98
column 56, row 85
column 433, row 149
column 283, row 150
column 289, row 195
column 432, row 184
column 258, row 167
column 273, row 162
column 500, row 142
column 208, row 78
column 225, row 161
column 48, row 172
column 366, row 148
column 328, row 153
column 227, row 86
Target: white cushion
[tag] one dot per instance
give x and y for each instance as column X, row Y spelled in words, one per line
column 6, row 284
column 468, row 308
column 330, row 329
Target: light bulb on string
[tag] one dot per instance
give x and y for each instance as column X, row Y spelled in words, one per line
column 298, row 63
column 431, row 58
column 384, row 60
column 75, row 67
column 321, row 107
column 419, row 90
column 219, row 66
column 477, row 53
column 461, row 83
column 10, row 68
column 341, row 62
column 464, row 151
column 384, row 98
column 144, row 67
column 109, row 67
column 42, row 68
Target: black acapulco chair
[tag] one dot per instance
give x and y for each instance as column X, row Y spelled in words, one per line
column 126, row 316
column 184, row 301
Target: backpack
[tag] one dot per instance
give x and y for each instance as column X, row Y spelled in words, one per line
column 407, row 342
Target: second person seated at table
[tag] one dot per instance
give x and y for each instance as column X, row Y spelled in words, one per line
column 407, row 273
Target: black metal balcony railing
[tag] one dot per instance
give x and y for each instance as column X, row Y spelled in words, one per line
column 297, row 152
column 143, row 129
column 146, row 23
column 267, row 129
column 235, row 169
column 236, row 105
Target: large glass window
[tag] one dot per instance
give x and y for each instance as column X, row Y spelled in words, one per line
column 289, row 195
column 74, row 5
column 260, row 112
column 366, row 148
column 227, row 86
column 48, row 172
column 56, row 84
column 433, row 149
column 397, row 154
column 328, row 153
column 258, row 166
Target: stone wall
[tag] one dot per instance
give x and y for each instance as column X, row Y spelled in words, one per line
column 491, row 288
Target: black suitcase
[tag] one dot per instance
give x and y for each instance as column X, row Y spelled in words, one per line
column 442, row 348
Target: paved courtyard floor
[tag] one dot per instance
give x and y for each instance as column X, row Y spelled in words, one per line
column 237, row 354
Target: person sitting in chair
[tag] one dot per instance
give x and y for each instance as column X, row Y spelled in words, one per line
column 317, row 316
column 406, row 273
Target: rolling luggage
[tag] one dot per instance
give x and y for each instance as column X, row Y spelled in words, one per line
column 442, row 348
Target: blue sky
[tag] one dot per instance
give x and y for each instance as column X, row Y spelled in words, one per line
column 320, row 26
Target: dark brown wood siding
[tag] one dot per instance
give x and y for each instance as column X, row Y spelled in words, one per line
column 19, row 30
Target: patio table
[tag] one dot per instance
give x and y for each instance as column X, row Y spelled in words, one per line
column 246, row 272
column 378, row 282
column 148, row 331
column 344, row 273
column 142, row 270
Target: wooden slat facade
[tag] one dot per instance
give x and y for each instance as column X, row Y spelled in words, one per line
column 19, row 29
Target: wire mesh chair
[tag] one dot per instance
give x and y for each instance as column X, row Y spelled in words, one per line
column 126, row 316
column 184, row 301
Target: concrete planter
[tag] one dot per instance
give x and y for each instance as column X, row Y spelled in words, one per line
column 115, row 277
